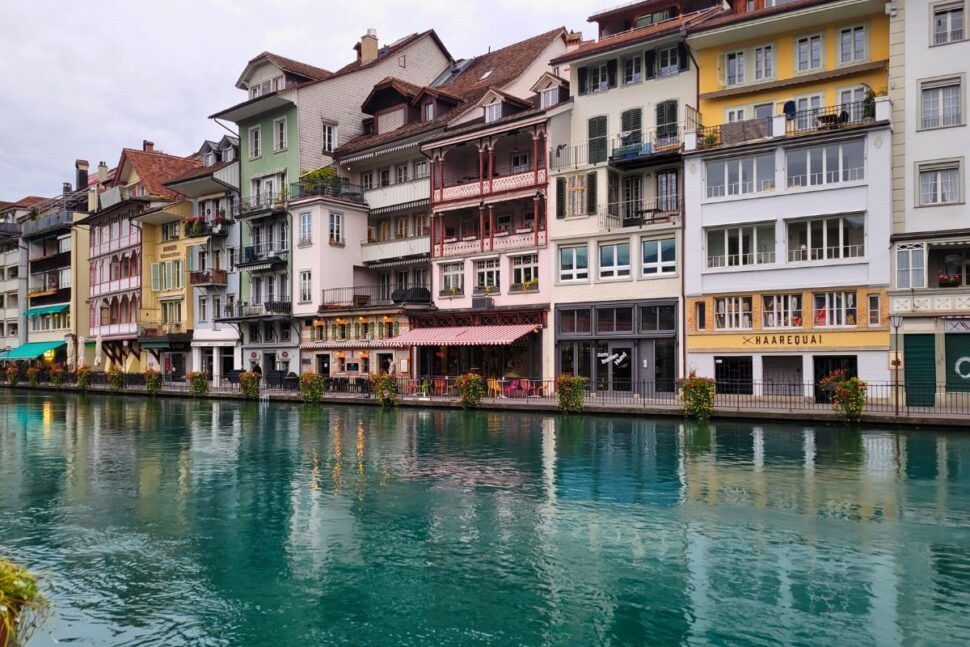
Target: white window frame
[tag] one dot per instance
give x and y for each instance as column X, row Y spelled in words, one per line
column 203, row 308
column 520, row 162
column 488, row 274
column 401, row 174
column 602, row 79
column 853, row 58
column 938, row 85
column 782, row 311
column 576, row 195
column 741, row 187
column 661, row 267
column 827, row 176
column 632, row 69
column 493, row 111
column 915, row 255
column 741, row 258
column 948, row 8
column 255, row 143
column 764, row 62
column 574, row 273
column 730, row 313
column 615, row 270
column 837, row 303
column 738, row 56
column 367, row 180
column 937, row 168
column 525, row 268
column 870, row 310
column 549, row 97
column 672, row 65
column 420, row 169
column 306, row 228
column 453, row 276
column 429, row 111
column 279, row 135
column 329, row 132
column 306, row 286
column 809, row 38
column 826, row 250
column 336, row 229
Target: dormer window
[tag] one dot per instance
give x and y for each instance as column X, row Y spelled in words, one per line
column 209, row 159
column 255, row 91
column 279, row 83
column 228, row 154
column 485, row 76
column 429, row 111
column 549, row 97
column 493, row 111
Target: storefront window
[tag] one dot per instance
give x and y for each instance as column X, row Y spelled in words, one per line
column 782, row 311
column 614, row 320
column 835, row 309
column 653, row 318
column 574, row 321
column 732, row 313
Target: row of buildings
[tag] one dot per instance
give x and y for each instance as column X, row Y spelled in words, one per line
column 761, row 191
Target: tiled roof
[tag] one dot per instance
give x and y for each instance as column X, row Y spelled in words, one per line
column 29, row 201
column 202, row 171
column 294, row 67
column 505, row 64
column 641, row 34
column 403, row 87
column 155, row 169
column 390, row 50
column 728, row 17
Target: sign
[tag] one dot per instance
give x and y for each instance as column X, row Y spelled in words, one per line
column 810, row 340
column 253, row 355
column 956, row 325
column 795, row 339
column 616, row 358
column 285, row 355
column 957, row 362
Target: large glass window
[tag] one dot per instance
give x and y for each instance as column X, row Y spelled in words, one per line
column 764, row 62
column 948, row 23
column 835, row 309
column 910, row 266
column 614, row 260
column 781, row 311
column 574, row 263
column 734, row 68
column 739, row 246
column 611, row 320
column 575, row 322
column 741, row 175
column 939, row 184
column 852, row 44
column 828, row 164
column 732, row 313
column 658, row 318
column 453, row 278
column 809, row 50
column 941, row 104
column 826, row 238
column 659, row 256
column 487, row 274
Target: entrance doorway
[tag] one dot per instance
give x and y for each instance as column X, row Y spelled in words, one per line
column 734, row 375
column 385, row 361
column 782, row 375
column 173, row 366
column 825, row 364
column 323, row 365
column 614, row 366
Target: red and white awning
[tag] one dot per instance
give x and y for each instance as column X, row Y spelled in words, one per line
column 463, row 336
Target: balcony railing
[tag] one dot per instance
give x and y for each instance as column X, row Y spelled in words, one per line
column 115, row 244
column 209, row 277
column 740, row 260
column 503, row 180
column 826, row 253
column 645, row 145
column 50, row 262
column 735, row 132
column 362, row 296
column 129, row 328
column 374, row 251
column 264, row 251
column 262, row 202
column 506, row 242
column 842, row 115
column 397, row 194
column 327, row 188
column 262, row 309
column 640, row 213
column 56, row 220
column 115, row 285
column 214, row 226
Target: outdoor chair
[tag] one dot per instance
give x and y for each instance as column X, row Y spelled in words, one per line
column 494, row 388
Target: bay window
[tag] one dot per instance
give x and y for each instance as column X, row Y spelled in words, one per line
column 739, row 176
column 835, row 309
column 732, row 313
column 830, row 238
column 741, row 246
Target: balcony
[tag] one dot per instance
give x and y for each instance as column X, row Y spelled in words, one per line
column 334, row 188
column 501, row 243
column 642, row 213
column 207, row 278
column 845, row 115
column 364, row 296
column 639, row 148
column 118, row 243
column 932, row 301
column 262, row 202
column 273, row 252
column 386, row 198
column 53, row 261
column 468, row 187
column 113, row 196
column 200, row 226
column 373, row 252
column 129, row 328
column 116, row 285
column 265, row 309
column 44, row 224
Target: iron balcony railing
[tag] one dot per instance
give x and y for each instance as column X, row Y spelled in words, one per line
column 362, row 296
column 211, row 226
column 638, row 144
column 262, row 201
column 259, row 309
column 639, row 213
column 265, row 251
column 841, row 115
column 327, row 188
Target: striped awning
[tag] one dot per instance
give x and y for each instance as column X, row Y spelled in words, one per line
column 463, row 336
column 361, row 344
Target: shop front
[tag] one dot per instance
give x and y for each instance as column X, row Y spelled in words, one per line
column 935, row 360
column 620, row 346
column 168, row 354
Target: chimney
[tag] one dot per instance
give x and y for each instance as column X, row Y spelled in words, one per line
column 80, row 174
column 102, row 173
column 367, row 48
column 573, row 40
column 66, row 188
column 147, row 146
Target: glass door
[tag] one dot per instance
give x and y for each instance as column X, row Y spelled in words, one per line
column 667, row 190
column 614, row 370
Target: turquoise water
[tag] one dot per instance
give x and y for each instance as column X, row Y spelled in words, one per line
column 206, row 523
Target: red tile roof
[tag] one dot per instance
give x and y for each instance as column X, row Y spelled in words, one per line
column 29, row 201
column 295, row 67
column 728, row 17
column 505, row 64
column 155, row 169
column 641, row 34
column 390, row 50
column 202, row 171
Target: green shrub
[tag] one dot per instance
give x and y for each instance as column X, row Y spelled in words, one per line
column 849, row 394
column 153, row 381
column 571, row 393
column 311, row 387
column 83, row 378
column 384, row 386
column 471, row 389
column 198, row 384
column 33, row 376
column 116, row 379
column 249, row 385
column 12, row 375
column 57, row 375
column 22, row 605
column 697, row 396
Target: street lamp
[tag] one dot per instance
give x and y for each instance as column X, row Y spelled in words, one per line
column 896, row 321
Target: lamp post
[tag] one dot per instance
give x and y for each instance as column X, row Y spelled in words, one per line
column 896, row 321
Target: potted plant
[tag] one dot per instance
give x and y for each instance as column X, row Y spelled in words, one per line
column 948, row 280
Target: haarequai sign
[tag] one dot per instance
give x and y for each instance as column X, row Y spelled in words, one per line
column 783, row 340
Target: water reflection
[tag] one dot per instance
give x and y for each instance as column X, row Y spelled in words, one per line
column 177, row 522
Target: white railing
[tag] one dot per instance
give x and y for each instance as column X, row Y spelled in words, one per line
column 932, row 300
column 394, row 194
column 475, row 188
column 501, row 242
column 130, row 328
column 741, row 260
column 387, row 249
column 115, row 244
column 117, row 285
column 826, row 253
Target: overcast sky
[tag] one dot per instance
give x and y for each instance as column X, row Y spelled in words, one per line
column 84, row 79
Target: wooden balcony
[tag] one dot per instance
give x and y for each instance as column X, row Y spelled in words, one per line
column 208, row 278
column 468, row 187
column 500, row 243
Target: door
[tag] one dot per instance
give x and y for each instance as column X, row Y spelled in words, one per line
column 614, row 371
column 323, row 365
column 825, row 364
column 957, row 363
column 385, row 361
column 632, row 193
column 667, row 191
column 782, row 375
column 919, row 368
column 734, row 375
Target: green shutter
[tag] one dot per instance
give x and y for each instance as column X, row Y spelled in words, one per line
column 560, row 198
column 333, row 331
column 583, row 74
column 611, row 72
column 631, row 123
column 919, row 367
column 957, row 362
column 397, row 328
column 156, row 277
column 356, row 330
column 650, row 63
column 591, row 193
column 596, row 130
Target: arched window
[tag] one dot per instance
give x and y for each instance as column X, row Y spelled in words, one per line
column 114, row 311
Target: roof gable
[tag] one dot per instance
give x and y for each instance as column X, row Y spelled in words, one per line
column 288, row 65
column 153, row 170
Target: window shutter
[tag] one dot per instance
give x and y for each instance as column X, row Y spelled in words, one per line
column 650, row 63
column 631, row 120
column 683, row 57
column 380, row 330
column 397, row 328
column 333, row 331
column 356, row 330
column 583, row 80
column 611, row 72
column 156, row 278
column 596, row 129
column 560, row 198
column 591, row 193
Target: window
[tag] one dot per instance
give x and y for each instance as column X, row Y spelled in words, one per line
column 740, row 176
column 255, row 142
column 520, row 162
column 420, row 225
column 807, row 109
column 493, row 111
column 741, row 246
column 669, row 63
column 401, row 227
column 910, row 266
column 401, row 173
column 781, row 311
column 735, row 114
column 852, row 101
column 599, row 79
column 941, row 103
column 667, row 131
column 305, row 287
column 632, row 70
column 525, row 270
column 384, row 176
column 203, row 309
column 658, row 318
column 228, row 154
column 329, row 138
column 306, row 228
column 576, row 204
column 939, row 183
column 171, row 312
column 549, row 97
column 659, row 257
column 166, row 275
column 835, row 309
column 596, row 134
column 827, row 164
column 336, row 228
column 614, row 260
column 420, row 169
column 279, row 134
column 764, row 62
column 453, row 278
column 170, row 231
column 732, row 313
column 429, row 111
column 367, row 180
column 487, row 274
column 947, row 23
column 826, row 238
column 209, row 158
column 614, row 319
column 874, row 314
column 734, row 68
column 575, row 321
column 852, row 45
column 809, row 53
column 574, row 263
